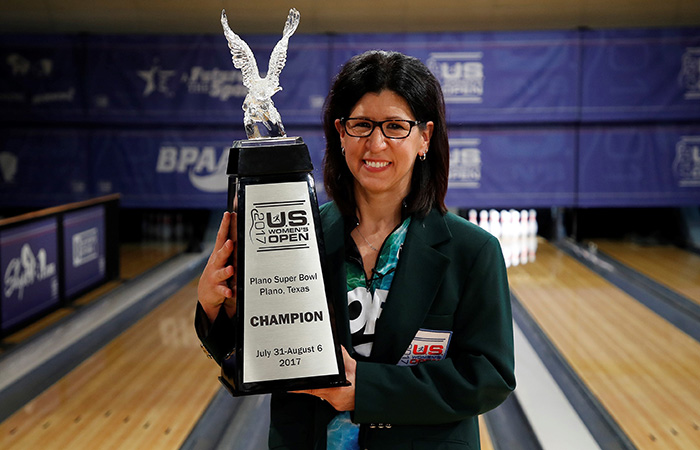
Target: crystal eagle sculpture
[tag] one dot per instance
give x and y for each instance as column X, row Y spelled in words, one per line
column 261, row 119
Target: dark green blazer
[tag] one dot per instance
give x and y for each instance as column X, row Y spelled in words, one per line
column 451, row 276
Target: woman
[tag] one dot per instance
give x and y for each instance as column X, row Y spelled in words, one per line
column 422, row 302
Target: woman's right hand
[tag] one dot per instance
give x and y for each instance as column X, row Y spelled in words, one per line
column 213, row 290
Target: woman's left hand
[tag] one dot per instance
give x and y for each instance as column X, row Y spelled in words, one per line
column 340, row 398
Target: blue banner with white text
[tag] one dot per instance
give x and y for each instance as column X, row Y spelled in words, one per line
column 519, row 168
column 41, row 78
column 639, row 166
column 166, row 169
column 641, row 75
column 588, row 118
column 191, row 79
column 173, row 169
column 489, row 77
column 44, row 167
column 29, row 268
column 84, row 249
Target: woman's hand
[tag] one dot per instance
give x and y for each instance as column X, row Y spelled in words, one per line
column 213, row 290
column 340, row 398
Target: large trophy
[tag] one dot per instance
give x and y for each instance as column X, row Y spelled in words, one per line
column 285, row 330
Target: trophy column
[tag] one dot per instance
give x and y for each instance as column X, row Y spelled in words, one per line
column 285, row 331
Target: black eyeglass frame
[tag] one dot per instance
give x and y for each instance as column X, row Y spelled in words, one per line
column 380, row 124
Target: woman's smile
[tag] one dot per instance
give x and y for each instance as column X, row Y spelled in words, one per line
column 373, row 165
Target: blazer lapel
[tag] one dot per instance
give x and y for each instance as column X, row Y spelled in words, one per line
column 418, row 276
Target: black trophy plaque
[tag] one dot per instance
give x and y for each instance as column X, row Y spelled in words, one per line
column 284, row 322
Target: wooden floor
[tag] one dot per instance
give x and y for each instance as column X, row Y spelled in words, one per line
column 676, row 269
column 146, row 389
column 644, row 371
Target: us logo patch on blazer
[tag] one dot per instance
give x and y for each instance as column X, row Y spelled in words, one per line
column 427, row 345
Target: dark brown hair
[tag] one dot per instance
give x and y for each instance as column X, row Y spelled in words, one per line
column 375, row 71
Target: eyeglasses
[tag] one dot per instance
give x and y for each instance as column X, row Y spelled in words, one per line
column 392, row 129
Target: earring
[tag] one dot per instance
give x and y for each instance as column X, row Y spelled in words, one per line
column 342, row 150
column 422, row 157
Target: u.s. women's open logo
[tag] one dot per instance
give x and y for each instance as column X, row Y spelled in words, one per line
column 278, row 226
column 686, row 164
column 461, row 75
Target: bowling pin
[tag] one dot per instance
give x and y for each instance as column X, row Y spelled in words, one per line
column 505, row 236
column 515, row 237
column 532, row 228
column 515, row 222
column 472, row 216
column 524, row 222
column 495, row 223
column 484, row 219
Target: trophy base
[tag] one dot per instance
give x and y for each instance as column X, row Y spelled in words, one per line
column 239, row 393
column 271, row 387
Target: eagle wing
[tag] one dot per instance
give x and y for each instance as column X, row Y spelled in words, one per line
column 278, row 57
column 241, row 54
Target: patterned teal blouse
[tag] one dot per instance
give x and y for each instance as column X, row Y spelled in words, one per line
column 366, row 299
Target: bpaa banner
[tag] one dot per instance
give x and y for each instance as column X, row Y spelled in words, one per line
column 163, row 169
column 174, row 169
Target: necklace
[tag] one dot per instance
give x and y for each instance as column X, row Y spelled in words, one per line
column 363, row 237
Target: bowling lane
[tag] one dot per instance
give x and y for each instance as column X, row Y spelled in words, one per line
column 138, row 257
column 486, row 443
column 643, row 370
column 676, row 269
column 145, row 389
